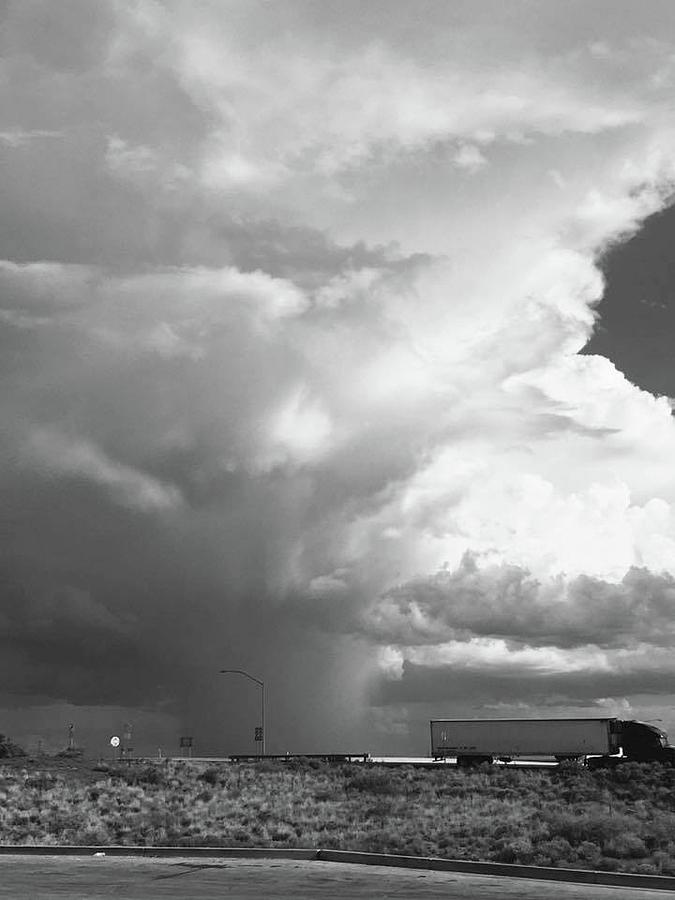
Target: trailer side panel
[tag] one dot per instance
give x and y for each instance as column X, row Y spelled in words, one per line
column 523, row 737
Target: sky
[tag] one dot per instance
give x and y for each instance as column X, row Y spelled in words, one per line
column 336, row 348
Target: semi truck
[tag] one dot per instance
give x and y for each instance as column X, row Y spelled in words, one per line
column 596, row 741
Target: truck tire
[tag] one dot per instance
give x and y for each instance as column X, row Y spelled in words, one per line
column 470, row 762
column 604, row 762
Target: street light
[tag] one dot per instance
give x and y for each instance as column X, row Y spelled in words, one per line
column 262, row 697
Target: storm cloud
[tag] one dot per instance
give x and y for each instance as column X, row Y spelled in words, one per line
column 506, row 602
column 293, row 306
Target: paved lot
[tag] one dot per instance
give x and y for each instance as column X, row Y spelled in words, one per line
column 127, row 878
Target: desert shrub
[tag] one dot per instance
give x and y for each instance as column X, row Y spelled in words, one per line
column 608, row 864
column 625, row 845
column 150, row 775
column 209, row 776
column 296, row 763
column 8, row 749
column 372, row 783
column 664, row 861
column 591, row 826
column 518, row 850
column 658, row 833
column 40, row 781
column 382, row 809
column 634, row 775
column 588, row 852
column 281, row 833
column 567, row 817
column 268, row 766
column 303, row 764
column 133, row 775
column 554, row 852
column 70, row 753
column 570, row 767
column 327, row 793
column 242, row 836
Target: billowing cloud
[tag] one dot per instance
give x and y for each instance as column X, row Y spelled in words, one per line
column 292, row 307
column 506, row 602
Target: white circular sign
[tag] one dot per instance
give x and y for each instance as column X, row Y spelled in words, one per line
column 114, row 741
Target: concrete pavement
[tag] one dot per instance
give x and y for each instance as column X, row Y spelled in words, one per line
column 134, row 878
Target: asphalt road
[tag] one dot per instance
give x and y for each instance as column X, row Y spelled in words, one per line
column 128, row 878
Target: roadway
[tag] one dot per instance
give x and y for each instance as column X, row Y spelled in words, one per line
column 422, row 762
column 129, row 878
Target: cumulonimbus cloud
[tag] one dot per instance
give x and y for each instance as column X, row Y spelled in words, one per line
column 312, row 328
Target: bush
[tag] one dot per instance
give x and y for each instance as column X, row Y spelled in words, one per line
column 40, row 781
column 373, row 783
column 589, row 852
column 327, row 794
column 70, row 753
column 133, row 775
column 209, row 776
column 598, row 820
column 554, row 852
column 625, row 846
column 516, row 851
column 9, row 749
column 303, row 764
column 591, row 826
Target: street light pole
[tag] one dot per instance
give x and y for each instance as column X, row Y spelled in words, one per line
column 262, row 696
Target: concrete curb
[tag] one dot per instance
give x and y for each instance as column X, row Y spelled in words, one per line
column 166, row 852
column 430, row 863
column 543, row 873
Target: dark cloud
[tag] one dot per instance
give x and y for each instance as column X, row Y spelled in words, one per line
column 59, row 642
column 103, row 605
column 285, row 250
column 234, row 409
column 502, row 601
column 459, row 687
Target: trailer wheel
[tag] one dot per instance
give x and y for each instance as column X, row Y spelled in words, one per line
column 470, row 762
column 603, row 762
column 566, row 758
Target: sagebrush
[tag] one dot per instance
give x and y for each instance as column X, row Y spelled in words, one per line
column 620, row 820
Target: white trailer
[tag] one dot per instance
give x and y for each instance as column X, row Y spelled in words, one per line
column 483, row 740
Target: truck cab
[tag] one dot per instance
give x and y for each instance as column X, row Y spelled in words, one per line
column 643, row 742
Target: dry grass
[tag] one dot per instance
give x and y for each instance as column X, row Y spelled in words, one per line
column 620, row 820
